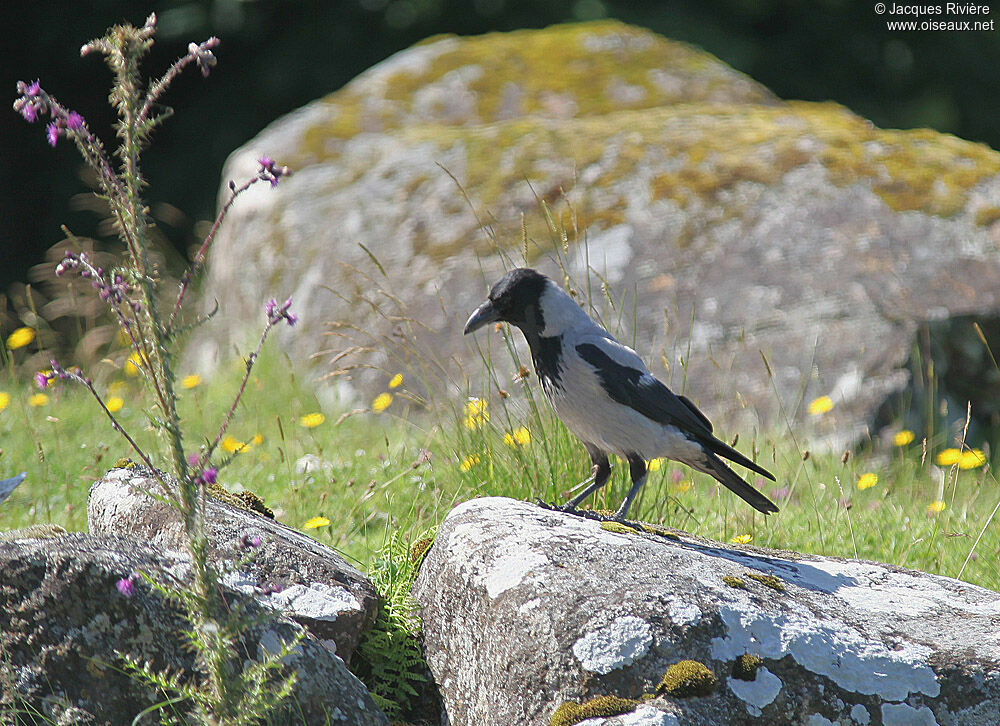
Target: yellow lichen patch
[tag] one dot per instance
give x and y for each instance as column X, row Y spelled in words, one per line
column 767, row 580
column 734, row 581
column 687, row 678
column 616, row 527
column 419, row 549
column 571, row 712
column 253, row 503
column 745, row 667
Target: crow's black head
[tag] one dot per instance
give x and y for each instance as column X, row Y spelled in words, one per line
column 513, row 299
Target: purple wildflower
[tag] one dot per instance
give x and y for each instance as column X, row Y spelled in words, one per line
column 74, row 121
column 193, row 459
column 276, row 313
column 250, row 542
column 210, row 475
column 126, row 585
column 203, row 55
column 34, row 89
column 29, row 112
column 42, row 379
column 270, row 172
column 52, row 134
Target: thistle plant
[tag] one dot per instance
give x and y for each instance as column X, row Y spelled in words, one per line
column 132, row 292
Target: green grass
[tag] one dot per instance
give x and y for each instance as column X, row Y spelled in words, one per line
column 368, row 476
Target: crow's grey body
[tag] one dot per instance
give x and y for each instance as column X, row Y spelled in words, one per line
column 604, row 393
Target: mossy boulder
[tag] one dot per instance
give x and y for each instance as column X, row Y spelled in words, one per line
column 797, row 230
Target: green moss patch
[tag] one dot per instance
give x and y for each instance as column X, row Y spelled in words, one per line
column 767, row 580
column 687, row 678
column 745, row 667
column 571, row 712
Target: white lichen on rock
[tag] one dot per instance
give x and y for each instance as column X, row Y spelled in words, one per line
column 615, row 645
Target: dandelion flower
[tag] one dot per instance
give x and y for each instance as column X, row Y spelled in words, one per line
column 654, row 464
column 38, row 399
column 475, row 413
column 971, row 459
column 4, row 400
column 820, row 405
column 232, row 446
column 396, row 381
column 468, row 462
column 115, row 404
column 867, row 480
column 742, row 539
column 257, row 440
column 948, row 457
column 312, row 420
column 518, row 437
column 190, row 381
column 381, row 402
column 936, row 507
column 903, row 438
column 316, row 522
column 20, row 338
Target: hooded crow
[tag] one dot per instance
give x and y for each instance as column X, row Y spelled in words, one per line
column 604, row 393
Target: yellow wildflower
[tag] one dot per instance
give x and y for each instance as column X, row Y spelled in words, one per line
column 132, row 365
column 257, row 440
column 469, row 461
column 820, row 405
column 972, row 459
column 654, row 464
column 381, row 402
column 233, row 446
column 191, row 381
column 396, row 381
column 316, row 522
column 867, row 480
column 518, row 437
column 4, row 400
column 20, row 338
column 475, row 413
column 936, row 507
column 742, row 539
column 38, row 399
column 684, row 485
column 115, row 404
column 903, row 438
column 948, row 457
column 312, row 420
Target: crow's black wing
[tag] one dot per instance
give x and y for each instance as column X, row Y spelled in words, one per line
column 638, row 389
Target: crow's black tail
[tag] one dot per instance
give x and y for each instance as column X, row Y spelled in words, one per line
column 731, row 480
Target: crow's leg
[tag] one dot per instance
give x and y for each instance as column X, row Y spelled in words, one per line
column 637, row 468
column 601, row 474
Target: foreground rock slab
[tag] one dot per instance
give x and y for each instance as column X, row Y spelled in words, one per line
column 306, row 580
column 64, row 622
column 546, row 609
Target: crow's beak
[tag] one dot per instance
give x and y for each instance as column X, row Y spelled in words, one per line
column 482, row 315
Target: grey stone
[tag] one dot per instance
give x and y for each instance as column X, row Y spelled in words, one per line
column 63, row 624
column 524, row 609
column 756, row 226
column 318, row 588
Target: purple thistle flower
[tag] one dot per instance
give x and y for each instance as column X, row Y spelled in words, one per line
column 192, row 459
column 42, row 379
column 52, row 133
column 126, row 585
column 250, row 542
column 74, row 121
column 210, row 475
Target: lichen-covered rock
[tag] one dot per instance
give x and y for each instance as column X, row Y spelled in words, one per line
column 291, row 572
column 796, row 230
column 64, row 622
column 525, row 609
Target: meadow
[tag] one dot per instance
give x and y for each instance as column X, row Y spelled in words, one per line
column 353, row 477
